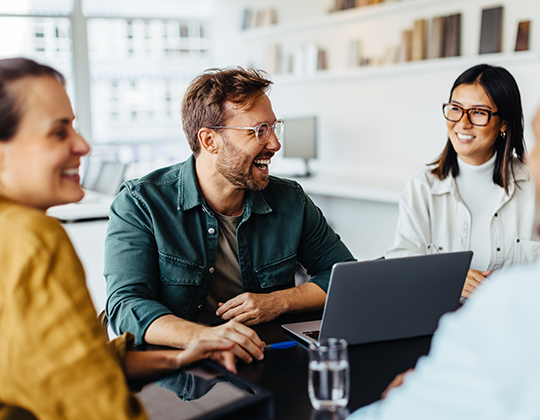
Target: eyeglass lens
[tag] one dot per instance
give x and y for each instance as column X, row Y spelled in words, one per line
column 264, row 131
column 476, row 116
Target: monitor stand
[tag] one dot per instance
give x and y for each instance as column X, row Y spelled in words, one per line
column 306, row 174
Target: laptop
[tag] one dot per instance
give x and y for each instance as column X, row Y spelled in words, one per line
column 383, row 300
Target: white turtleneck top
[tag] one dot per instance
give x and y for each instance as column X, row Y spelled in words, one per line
column 481, row 195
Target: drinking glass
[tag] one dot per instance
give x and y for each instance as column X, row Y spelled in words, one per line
column 328, row 381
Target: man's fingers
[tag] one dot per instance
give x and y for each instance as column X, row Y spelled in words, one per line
column 246, row 339
column 231, row 303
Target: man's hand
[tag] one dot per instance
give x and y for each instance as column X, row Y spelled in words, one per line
column 246, row 342
column 219, row 351
column 251, row 308
column 398, row 381
column 474, row 279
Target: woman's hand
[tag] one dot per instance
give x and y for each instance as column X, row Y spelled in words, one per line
column 398, row 381
column 474, row 279
column 219, row 351
column 148, row 365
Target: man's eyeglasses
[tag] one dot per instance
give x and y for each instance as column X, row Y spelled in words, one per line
column 262, row 131
column 477, row 116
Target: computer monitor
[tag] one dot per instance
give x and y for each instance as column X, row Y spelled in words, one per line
column 300, row 140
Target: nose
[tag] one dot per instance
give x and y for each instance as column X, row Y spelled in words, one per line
column 273, row 143
column 464, row 120
column 80, row 146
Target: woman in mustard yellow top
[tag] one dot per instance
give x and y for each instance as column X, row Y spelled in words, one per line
column 55, row 362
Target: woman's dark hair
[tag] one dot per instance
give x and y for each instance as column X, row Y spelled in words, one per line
column 503, row 90
column 12, row 70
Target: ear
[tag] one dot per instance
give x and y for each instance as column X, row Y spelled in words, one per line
column 504, row 127
column 207, row 140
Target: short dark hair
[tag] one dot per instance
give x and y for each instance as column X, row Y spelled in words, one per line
column 204, row 101
column 12, row 70
column 503, row 90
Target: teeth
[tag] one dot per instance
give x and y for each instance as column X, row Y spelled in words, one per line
column 464, row 136
column 72, row 171
column 262, row 162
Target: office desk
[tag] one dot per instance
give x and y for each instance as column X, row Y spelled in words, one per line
column 284, row 372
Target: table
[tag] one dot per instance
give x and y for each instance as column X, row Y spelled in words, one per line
column 284, row 372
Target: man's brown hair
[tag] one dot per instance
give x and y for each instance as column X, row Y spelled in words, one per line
column 205, row 98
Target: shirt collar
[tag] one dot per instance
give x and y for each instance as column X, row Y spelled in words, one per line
column 190, row 195
column 448, row 185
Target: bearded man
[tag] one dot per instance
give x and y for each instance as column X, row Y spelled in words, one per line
column 216, row 238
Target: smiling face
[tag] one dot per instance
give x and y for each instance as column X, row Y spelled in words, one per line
column 241, row 160
column 39, row 166
column 473, row 144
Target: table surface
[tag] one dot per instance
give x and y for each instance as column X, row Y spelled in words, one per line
column 284, row 372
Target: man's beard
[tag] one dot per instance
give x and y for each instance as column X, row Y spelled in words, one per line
column 235, row 167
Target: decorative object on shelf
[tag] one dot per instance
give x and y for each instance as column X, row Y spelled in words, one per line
column 522, row 39
column 491, row 31
column 274, row 59
column 435, row 42
column 308, row 59
column 452, row 36
column 418, row 43
column 257, row 19
column 355, row 53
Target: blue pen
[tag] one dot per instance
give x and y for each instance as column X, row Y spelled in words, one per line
column 279, row 346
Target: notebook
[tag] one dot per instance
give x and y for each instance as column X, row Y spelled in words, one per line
column 382, row 300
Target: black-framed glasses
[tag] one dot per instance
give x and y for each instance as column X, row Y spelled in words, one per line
column 262, row 131
column 477, row 116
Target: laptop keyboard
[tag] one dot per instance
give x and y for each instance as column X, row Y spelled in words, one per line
column 312, row 334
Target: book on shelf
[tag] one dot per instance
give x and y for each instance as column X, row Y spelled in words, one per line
column 270, row 17
column 252, row 19
column 522, row 39
column 452, row 36
column 322, row 63
column 405, row 49
column 491, row 30
column 246, row 19
column 436, row 38
column 418, row 43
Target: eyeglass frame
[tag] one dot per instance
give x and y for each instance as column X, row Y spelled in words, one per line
column 466, row 111
column 254, row 129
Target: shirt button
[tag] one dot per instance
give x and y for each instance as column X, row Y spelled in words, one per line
column 211, row 270
column 211, row 231
column 440, row 248
column 199, row 307
column 496, row 214
column 498, row 249
column 518, row 240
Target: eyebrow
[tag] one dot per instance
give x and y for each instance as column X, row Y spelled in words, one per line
column 474, row 106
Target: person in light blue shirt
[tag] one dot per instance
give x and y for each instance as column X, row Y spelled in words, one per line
column 484, row 359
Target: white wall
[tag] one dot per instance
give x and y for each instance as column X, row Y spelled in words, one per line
column 379, row 125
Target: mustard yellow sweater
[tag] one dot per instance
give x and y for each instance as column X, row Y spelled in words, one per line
column 54, row 359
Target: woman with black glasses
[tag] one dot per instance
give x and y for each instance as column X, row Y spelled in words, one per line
column 477, row 195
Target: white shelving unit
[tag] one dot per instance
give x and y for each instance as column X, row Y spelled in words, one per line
column 378, row 126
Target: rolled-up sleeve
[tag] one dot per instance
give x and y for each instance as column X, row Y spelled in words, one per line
column 131, row 268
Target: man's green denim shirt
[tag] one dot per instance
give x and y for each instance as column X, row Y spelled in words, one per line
column 162, row 242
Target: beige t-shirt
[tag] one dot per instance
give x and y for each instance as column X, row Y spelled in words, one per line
column 227, row 276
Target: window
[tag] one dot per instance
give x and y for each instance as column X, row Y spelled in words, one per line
column 140, row 56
